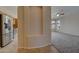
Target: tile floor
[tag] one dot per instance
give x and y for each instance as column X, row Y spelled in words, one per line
column 12, row 47
column 65, row 43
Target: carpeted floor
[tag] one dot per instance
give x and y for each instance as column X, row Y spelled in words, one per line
column 65, row 43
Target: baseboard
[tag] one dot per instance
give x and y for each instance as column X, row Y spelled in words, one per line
column 69, row 34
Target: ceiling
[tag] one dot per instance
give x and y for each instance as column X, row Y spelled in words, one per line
column 66, row 9
column 10, row 10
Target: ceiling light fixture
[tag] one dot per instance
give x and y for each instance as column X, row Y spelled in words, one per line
column 60, row 13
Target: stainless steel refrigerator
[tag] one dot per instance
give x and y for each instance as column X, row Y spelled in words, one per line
column 6, row 30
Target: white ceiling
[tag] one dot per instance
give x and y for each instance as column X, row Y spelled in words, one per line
column 10, row 10
column 67, row 10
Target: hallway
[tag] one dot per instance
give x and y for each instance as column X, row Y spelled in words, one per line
column 65, row 43
column 34, row 33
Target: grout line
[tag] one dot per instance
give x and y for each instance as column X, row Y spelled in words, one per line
column 56, row 48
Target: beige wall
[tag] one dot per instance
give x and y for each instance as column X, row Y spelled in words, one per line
column 34, row 27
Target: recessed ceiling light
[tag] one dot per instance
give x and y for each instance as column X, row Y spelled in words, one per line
column 58, row 15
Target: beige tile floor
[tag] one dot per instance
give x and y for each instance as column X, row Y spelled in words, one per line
column 54, row 50
column 12, row 47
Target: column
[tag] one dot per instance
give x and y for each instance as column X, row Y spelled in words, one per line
column 34, row 31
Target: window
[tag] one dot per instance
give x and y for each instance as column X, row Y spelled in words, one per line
column 55, row 25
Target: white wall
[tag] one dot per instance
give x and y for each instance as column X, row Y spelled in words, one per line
column 70, row 24
column 70, row 20
column 10, row 10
